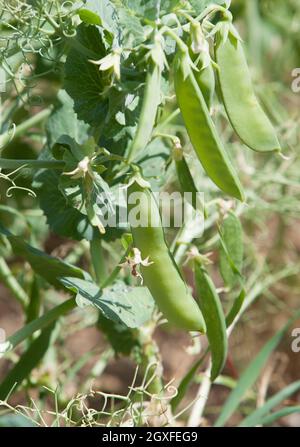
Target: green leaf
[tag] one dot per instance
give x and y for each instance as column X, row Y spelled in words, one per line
column 27, row 362
column 186, row 382
column 122, row 339
column 89, row 17
column 49, row 267
column 143, row 8
column 151, row 9
column 90, row 194
column 132, row 30
column 63, row 121
column 153, row 163
column 256, row 417
column 236, row 307
column 250, row 375
column 273, row 417
column 39, row 323
column 84, row 82
column 213, row 314
column 62, row 218
column 200, row 5
column 231, row 250
column 132, row 306
column 106, row 12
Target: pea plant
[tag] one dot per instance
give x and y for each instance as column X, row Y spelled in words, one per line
column 111, row 110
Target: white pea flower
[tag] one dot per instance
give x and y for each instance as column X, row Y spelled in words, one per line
column 112, row 60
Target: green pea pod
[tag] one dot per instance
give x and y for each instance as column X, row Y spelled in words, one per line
column 199, row 53
column 201, row 129
column 162, row 276
column 211, row 308
column 235, row 308
column 186, row 181
column 205, row 78
column 246, row 115
column 231, row 249
column 151, row 101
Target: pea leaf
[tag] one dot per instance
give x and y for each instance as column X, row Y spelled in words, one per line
column 84, row 82
column 231, row 250
column 122, row 339
column 236, row 307
column 89, row 17
column 153, row 162
column 186, row 382
column 62, row 218
column 132, row 30
column 64, row 121
column 200, row 5
column 132, row 306
column 49, row 267
column 104, row 10
column 27, row 362
column 213, row 314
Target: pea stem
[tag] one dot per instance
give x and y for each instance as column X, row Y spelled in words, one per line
column 19, row 130
column 212, row 9
column 110, row 279
column 181, row 45
column 170, row 118
column 41, row 322
column 97, row 255
column 12, row 284
column 10, row 163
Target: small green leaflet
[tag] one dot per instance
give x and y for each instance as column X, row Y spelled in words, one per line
column 231, row 250
column 122, row 339
column 83, row 81
column 86, row 191
column 27, row 362
column 153, row 163
column 89, row 17
column 213, row 314
column 49, row 267
column 132, row 306
column 186, row 382
column 101, row 11
column 62, row 218
column 63, row 121
column 236, row 307
column 200, row 5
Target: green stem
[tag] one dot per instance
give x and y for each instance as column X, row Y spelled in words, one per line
column 181, row 45
column 151, row 356
column 12, row 284
column 97, row 255
column 41, row 322
column 10, row 163
column 170, row 118
column 24, row 126
column 116, row 270
column 34, row 305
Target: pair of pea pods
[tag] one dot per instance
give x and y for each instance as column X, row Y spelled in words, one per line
column 245, row 114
